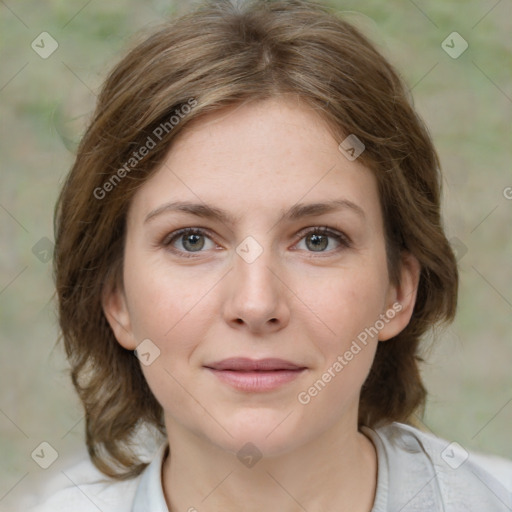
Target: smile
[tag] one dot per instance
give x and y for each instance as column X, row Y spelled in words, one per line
column 254, row 376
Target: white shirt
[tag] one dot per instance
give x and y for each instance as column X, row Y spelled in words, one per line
column 417, row 472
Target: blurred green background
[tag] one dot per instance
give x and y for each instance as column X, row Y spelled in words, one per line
column 45, row 103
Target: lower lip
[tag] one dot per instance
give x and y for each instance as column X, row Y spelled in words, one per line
column 256, row 381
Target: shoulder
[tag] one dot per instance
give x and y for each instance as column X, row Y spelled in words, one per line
column 450, row 456
column 458, row 477
column 82, row 488
column 77, row 485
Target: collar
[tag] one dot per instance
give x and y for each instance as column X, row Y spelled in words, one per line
column 406, row 478
column 150, row 494
column 403, row 463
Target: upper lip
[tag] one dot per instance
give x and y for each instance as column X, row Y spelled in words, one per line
column 245, row 364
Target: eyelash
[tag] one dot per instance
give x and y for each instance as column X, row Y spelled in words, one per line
column 341, row 238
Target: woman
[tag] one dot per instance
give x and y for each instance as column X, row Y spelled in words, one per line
column 249, row 250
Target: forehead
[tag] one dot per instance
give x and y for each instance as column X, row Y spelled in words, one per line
column 258, row 158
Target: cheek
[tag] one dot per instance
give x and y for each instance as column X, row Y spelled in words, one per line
column 174, row 313
column 345, row 301
column 350, row 306
column 163, row 300
column 174, row 310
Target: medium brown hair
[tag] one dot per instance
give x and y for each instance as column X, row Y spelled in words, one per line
column 222, row 54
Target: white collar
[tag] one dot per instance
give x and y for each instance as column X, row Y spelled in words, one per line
column 150, row 494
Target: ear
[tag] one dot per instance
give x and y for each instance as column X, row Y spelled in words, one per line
column 401, row 298
column 116, row 311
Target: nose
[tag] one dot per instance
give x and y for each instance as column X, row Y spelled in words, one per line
column 257, row 296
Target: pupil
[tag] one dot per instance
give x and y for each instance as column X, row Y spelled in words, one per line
column 317, row 242
column 192, row 240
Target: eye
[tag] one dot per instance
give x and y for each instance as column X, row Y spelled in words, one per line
column 188, row 240
column 318, row 239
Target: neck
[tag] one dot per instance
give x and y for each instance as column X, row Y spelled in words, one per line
column 337, row 470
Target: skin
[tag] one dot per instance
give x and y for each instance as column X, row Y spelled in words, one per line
column 295, row 301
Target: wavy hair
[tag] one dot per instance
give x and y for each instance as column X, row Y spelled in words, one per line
column 221, row 54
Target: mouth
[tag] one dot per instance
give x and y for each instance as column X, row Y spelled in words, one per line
column 255, row 375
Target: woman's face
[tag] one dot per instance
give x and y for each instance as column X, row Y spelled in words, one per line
column 264, row 275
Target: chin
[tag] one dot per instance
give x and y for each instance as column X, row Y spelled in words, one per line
column 261, row 430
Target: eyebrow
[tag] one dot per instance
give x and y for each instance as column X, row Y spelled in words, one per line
column 296, row 212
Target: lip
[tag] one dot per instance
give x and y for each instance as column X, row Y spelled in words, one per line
column 255, row 375
column 246, row 364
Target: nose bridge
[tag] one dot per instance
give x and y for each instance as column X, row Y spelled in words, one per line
column 258, row 296
column 252, row 272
